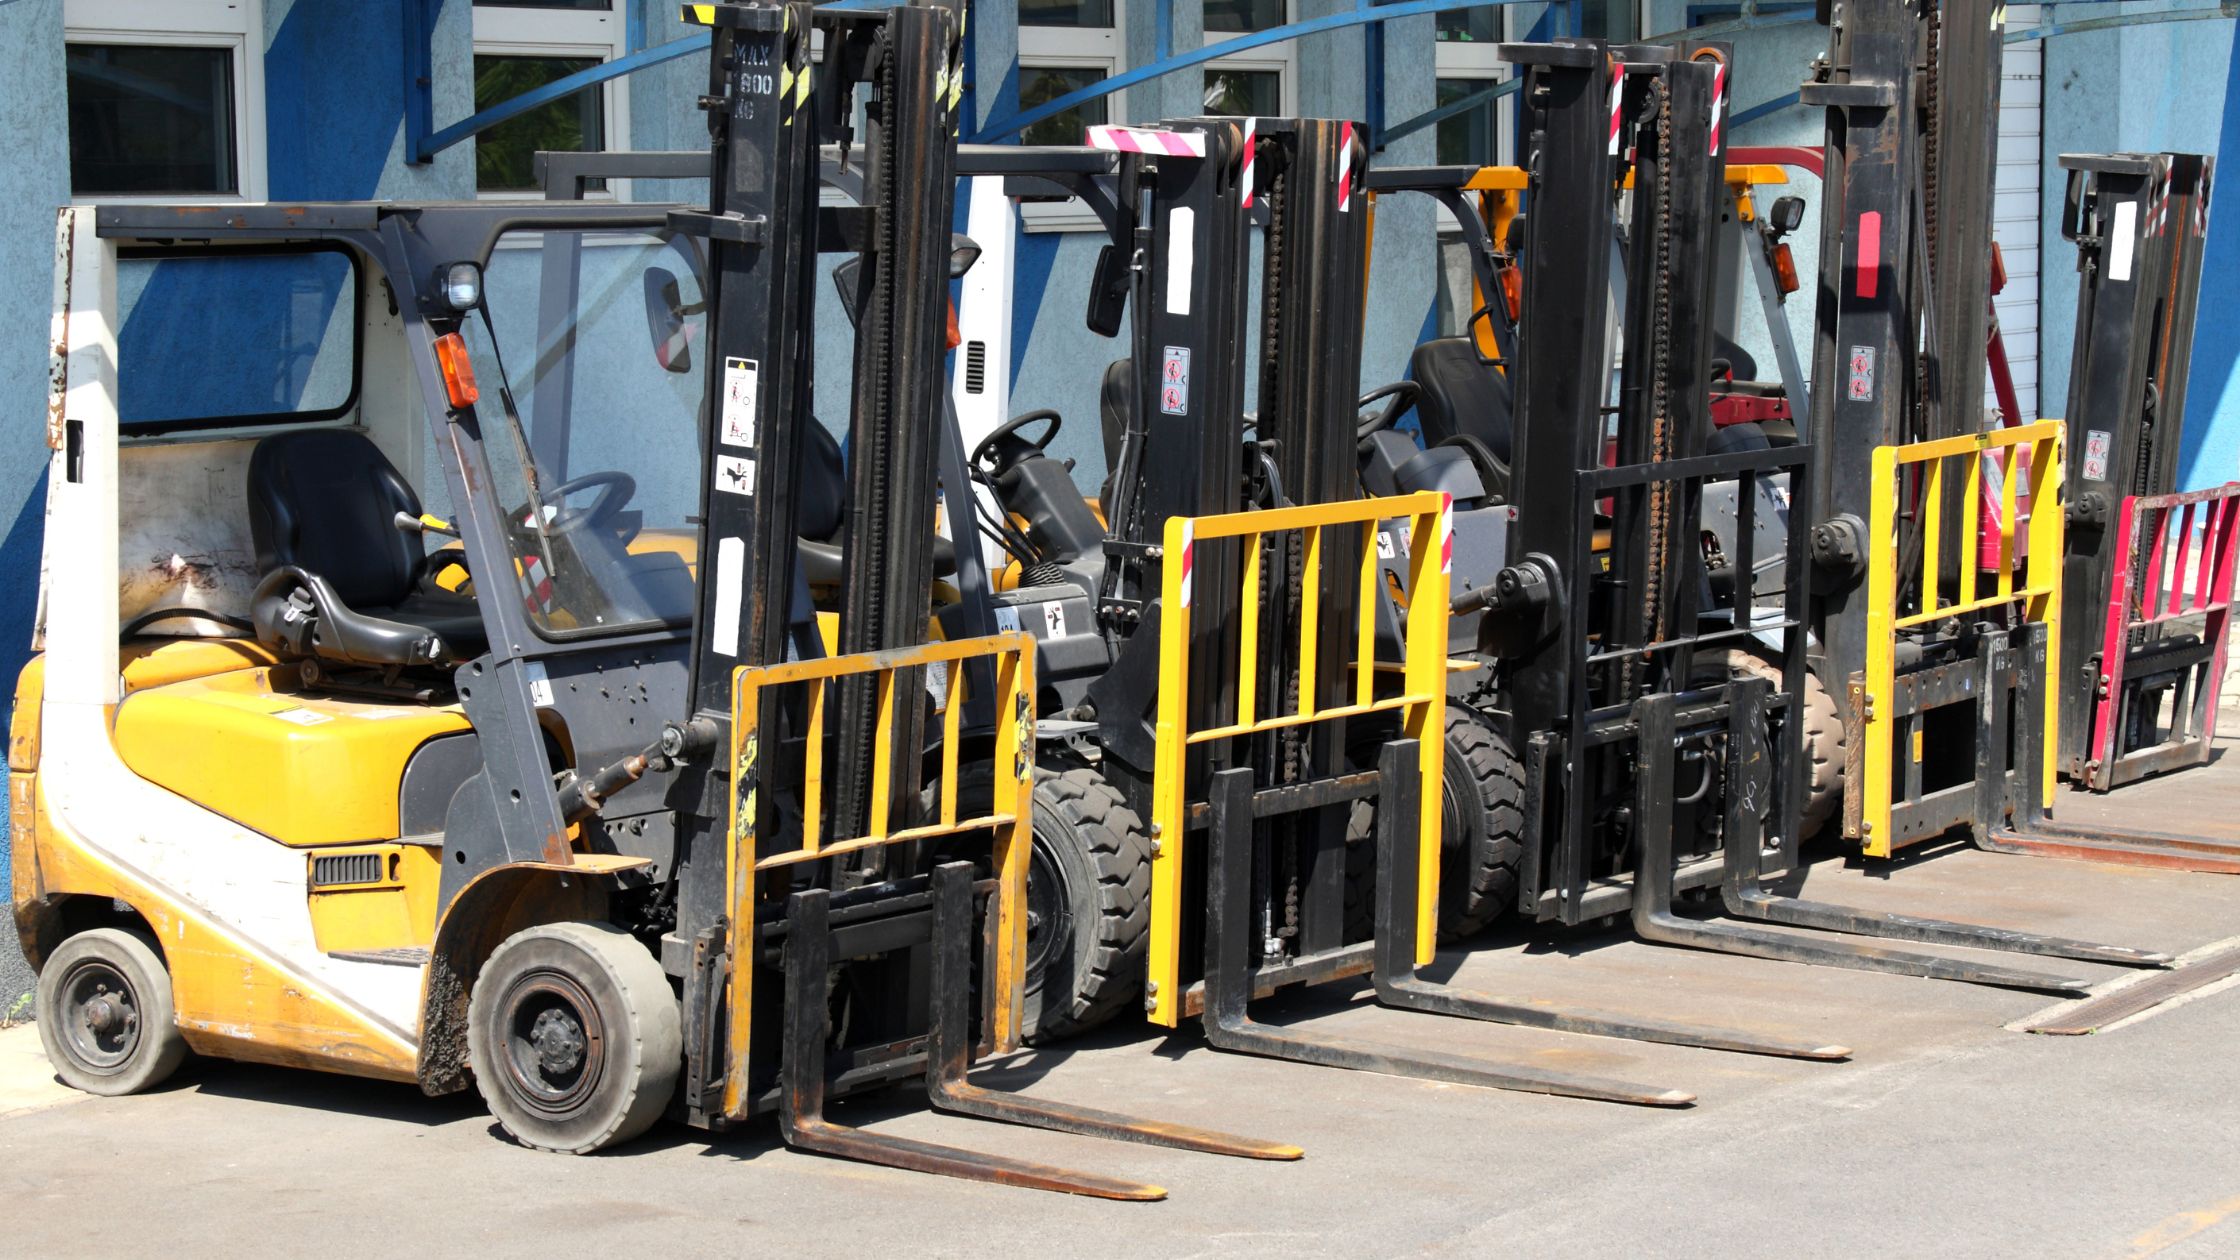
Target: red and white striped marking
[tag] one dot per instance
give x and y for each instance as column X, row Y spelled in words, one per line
column 1446, row 534
column 1146, row 140
column 1189, row 545
column 540, row 585
column 1617, row 102
column 1244, row 172
column 1718, row 105
column 1345, row 167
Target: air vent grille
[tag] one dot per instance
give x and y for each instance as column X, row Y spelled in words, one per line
column 975, row 366
column 345, row 868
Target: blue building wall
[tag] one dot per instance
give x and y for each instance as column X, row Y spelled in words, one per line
column 34, row 179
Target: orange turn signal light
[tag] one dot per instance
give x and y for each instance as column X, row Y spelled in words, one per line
column 458, row 370
column 1512, row 292
column 1785, row 269
column 956, row 335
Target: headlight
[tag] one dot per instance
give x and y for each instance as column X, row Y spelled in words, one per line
column 462, row 286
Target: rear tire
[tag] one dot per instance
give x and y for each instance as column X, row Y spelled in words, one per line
column 105, row 1014
column 1088, row 905
column 1824, row 740
column 1481, row 828
column 575, row 1036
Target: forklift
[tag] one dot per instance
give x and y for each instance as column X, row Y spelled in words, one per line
column 1943, row 666
column 574, row 806
column 2147, row 580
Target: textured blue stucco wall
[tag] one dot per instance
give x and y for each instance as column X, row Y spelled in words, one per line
column 34, row 182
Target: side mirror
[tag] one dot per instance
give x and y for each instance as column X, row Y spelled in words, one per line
column 1108, row 292
column 665, row 321
column 1787, row 215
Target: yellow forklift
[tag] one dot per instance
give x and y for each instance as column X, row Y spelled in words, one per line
column 428, row 691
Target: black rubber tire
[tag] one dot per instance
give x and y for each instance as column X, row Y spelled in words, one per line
column 118, row 977
column 1824, row 741
column 1085, row 833
column 1481, row 831
column 597, row 975
column 1482, row 826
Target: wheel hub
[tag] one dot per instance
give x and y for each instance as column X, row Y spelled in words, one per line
column 103, row 1016
column 559, row 1040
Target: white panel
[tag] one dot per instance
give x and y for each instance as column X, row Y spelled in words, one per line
column 2016, row 204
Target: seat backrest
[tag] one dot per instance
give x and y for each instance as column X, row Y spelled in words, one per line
column 820, row 492
column 326, row 501
column 1461, row 394
column 1112, row 407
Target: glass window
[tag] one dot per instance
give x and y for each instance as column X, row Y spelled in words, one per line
column 1065, row 12
column 220, row 338
column 151, row 119
column 1470, row 26
column 582, row 6
column 1467, row 138
column 1041, row 84
column 608, row 400
column 505, row 155
column 1235, row 17
column 1230, row 91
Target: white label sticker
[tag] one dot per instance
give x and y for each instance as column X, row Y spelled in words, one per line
column 1385, row 546
column 2096, row 444
column 740, row 384
column 735, row 474
column 540, row 686
column 1182, row 262
column 731, row 588
column 304, row 717
column 1007, row 618
column 2120, row 240
column 1054, row 619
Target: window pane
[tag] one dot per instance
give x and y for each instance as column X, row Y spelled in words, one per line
column 1041, row 84
column 1470, row 26
column 611, row 383
column 1467, row 139
column 1229, row 17
column 150, row 119
column 592, row 6
column 226, row 336
column 1078, row 13
column 504, row 156
column 1244, row 92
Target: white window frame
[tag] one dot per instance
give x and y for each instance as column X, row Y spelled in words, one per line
column 1282, row 58
column 602, row 35
column 235, row 25
column 1073, row 48
column 1460, row 59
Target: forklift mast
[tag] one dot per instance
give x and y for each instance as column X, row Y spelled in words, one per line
column 1911, row 88
column 2139, row 692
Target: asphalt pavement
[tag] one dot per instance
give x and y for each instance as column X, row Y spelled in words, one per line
column 1947, row 1134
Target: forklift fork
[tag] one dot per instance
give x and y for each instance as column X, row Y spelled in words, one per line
column 801, row 1119
column 949, row 1047
column 1229, row 979
column 1397, row 983
column 1746, row 896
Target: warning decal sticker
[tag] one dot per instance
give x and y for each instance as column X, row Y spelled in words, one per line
column 735, row 474
column 2096, row 443
column 741, row 378
column 1174, row 381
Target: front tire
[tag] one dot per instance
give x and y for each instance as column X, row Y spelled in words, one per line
column 1088, row 905
column 575, row 1037
column 1481, row 829
column 1824, row 740
column 105, row 1015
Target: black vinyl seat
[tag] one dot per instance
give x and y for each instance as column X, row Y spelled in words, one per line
column 1464, row 401
column 340, row 581
column 820, row 496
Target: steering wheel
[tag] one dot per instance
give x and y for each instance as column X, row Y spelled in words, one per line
column 615, row 489
column 1398, row 397
column 1001, row 450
